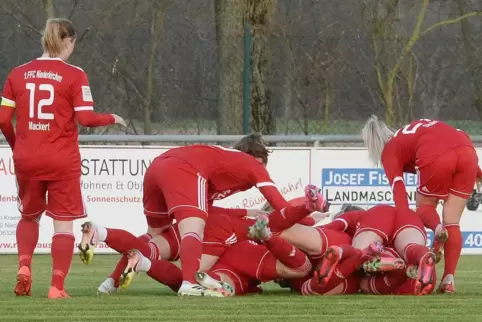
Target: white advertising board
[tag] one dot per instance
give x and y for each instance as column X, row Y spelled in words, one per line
column 113, row 175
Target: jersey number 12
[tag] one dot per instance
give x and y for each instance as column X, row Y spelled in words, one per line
column 48, row 88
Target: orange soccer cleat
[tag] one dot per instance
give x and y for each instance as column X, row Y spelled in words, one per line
column 55, row 293
column 330, row 260
column 24, row 282
column 424, row 283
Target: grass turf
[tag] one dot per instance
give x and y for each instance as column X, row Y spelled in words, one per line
column 147, row 301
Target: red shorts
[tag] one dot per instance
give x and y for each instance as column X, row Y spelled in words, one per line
column 252, row 260
column 173, row 238
column 406, row 218
column 453, row 172
column 64, row 202
column 171, row 184
column 379, row 220
column 222, row 232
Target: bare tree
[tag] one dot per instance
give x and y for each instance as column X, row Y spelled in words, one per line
column 229, row 30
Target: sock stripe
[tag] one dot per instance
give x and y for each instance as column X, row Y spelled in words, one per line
column 194, row 235
column 63, row 235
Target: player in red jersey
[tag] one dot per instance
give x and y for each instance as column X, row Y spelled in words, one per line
column 447, row 167
column 184, row 181
column 387, row 226
column 48, row 96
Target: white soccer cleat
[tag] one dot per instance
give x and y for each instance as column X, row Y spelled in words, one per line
column 212, row 284
column 189, row 289
column 260, row 230
column 107, row 287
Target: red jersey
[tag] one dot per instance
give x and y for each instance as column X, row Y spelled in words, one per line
column 416, row 145
column 46, row 93
column 228, row 171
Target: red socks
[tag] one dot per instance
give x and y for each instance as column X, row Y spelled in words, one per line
column 166, row 273
column 284, row 219
column 287, row 253
column 190, row 253
column 121, row 265
column 62, row 252
column 429, row 216
column 27, row 238
column 414, row 253
column 452, row 249
column 123, row 241
column 349, row 251
column 387, row 283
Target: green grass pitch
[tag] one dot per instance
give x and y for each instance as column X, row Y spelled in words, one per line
column 145, row 300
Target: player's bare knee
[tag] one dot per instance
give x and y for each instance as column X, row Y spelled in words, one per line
column 192, row 225
column 284, row 271
column 163, row 246
column 61, row 226
column 421, row 200
column 452, row 209
column 365, row 238
column 407, row 236
column 207, row 262
column 155, row 231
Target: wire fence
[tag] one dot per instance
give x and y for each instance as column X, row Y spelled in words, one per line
column 316, row 67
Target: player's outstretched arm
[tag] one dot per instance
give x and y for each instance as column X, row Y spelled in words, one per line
column 89, row 118
column 7, row 110
column 6, row 126
column 394, row 173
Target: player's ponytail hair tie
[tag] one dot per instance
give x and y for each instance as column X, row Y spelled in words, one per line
column 253, row 144
column 375, row 135
column 56, row 30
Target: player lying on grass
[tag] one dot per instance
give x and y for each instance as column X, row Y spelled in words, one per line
column 221, row 232
column 399, row 228
column 49, row 97
column 182, row 183
column 447, row 167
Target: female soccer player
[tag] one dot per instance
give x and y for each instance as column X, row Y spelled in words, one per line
column 446, row 163
column 48, row 96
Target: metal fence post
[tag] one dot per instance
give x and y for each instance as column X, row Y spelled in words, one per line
column 247, row 79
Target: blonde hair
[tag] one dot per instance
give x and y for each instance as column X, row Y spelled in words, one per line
column 56, row 30
column 375, row 135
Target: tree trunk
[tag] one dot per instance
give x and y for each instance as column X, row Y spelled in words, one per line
column 470, row 57
column 49, row 9
column 156, row 32
column 259, row 14
column 229, row 30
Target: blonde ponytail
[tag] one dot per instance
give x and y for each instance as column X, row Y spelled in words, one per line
column 56, row 30
column 375, row 135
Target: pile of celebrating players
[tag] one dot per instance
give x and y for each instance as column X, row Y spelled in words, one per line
column 228, row 252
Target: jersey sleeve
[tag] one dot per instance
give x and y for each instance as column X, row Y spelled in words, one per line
column 260, row 178
column 81, row 95
column 8, row 96
column 236, row 212
column 394, row 173
column 7, row 109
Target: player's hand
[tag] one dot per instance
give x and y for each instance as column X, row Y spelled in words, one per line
column 256, row 213
column 319, row 216
column 119, row 120
column 479, row 184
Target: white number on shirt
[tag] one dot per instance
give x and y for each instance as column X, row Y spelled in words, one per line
column 412, row 128
column 43, row 102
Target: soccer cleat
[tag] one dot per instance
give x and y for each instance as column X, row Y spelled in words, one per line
column 189, row 289
column 212, row 284
column 134, row 257
column 55, row 293
column 383, row 264
column 107, row 287
column 330, row 260
column 88, row 242
column 260, row 230
column 424, row 283
column 373, row 250
column 440, row 238
column 24, row 282
column 447, row 285
column 315, row 200
column 412, row 272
